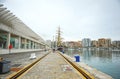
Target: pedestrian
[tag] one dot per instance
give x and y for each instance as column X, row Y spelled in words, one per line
column 10, row 47
column 53, row 50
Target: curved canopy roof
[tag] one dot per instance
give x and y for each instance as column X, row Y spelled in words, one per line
column 10, row 20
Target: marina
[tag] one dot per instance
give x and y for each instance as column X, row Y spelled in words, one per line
column 36, row 50
column 107, row 61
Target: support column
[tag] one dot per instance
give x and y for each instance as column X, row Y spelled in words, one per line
column 19, row 41
column 8, row 40
column 25, row 44
column 30, row 44
column 33, row 45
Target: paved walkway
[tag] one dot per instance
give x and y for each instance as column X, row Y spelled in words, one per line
column 53, row 66
column 19, row 60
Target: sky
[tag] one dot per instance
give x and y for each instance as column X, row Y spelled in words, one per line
column 77, row 19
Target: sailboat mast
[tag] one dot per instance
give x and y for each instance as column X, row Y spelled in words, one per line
column 59, row 40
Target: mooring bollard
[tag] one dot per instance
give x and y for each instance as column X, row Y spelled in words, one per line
column 77, row 58
column 33, row 56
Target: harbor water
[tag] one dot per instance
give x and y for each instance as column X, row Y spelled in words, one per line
column 105, row 60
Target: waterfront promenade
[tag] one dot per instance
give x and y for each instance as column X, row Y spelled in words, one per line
column 19, row 60
column 52, row 66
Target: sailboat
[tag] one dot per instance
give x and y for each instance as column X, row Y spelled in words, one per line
column 59, row 41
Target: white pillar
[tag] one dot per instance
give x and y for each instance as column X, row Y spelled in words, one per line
column 25, row 43
column 19, row 39
column 32, row 45
column 29, row 44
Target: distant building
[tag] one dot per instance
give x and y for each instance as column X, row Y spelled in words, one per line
column 101, row 42
column 49, row 43
column 73, row 44
column 77, row 44
column 104, row 42
column 53, row 44
column 108, row 43
column 80, row 44
column 116, row 44
column 86, row 42
column 70, row 44
column 94, row 43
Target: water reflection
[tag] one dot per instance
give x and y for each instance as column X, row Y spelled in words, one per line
column 106, row 61
column 86, row 54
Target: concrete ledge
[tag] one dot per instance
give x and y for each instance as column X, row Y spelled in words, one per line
column 96, row 73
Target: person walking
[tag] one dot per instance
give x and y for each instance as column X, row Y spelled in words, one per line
column 10, row 47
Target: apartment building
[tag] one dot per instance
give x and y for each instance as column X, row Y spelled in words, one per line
column 94, row 43
column 102, row 42
column 86, row 42
column 116, row 44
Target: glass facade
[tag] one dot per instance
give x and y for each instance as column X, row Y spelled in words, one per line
column 22, row 43
column 3, row 39
column 17, row 42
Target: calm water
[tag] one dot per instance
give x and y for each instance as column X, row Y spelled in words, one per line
column 104, row 60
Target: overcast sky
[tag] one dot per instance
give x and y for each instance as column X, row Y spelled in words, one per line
column 78, row 19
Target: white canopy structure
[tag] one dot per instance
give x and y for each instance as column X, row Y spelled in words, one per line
column 14, row 31
column 12, row 24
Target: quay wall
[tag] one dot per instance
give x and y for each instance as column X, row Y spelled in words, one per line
column 96, row 73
